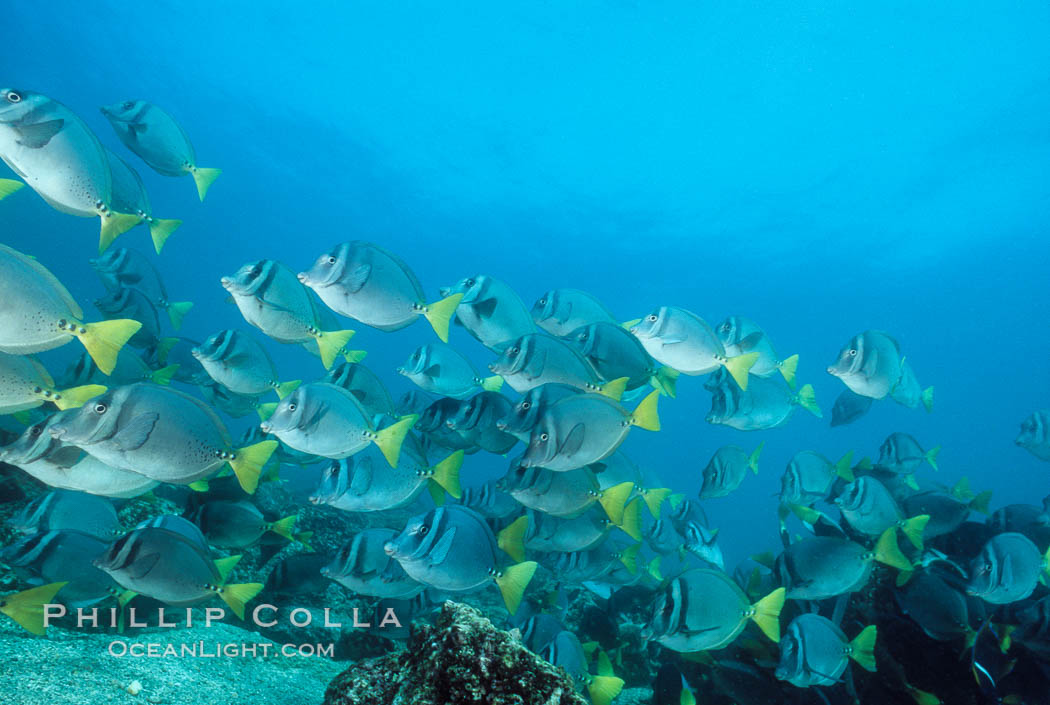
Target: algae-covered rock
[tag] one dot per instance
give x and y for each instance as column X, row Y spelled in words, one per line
column 464, row 659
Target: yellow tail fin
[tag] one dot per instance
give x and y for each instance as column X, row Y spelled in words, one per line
column 604, row 665
column 204, row 178
column 632, row 519
column 807, row 399
column 614, row 500
column 177, row 311
column 446, row 474
column 931, row 457
column 439, row 314
column 266, row 410
column 492, row 384
column 844, row 467
column 602, row 689
column 787, row 368
column 654, row 498
column 236, row 596
column 767, row 614
column 614, row 388
column 285, row 527
column 512, row 583
column 9, row 186
column 164, row 375
column 645, row 414
column 76, row 396
column 330, row 343
column 248, row 463
column 354, row 355
column 888, row 552
column 511, row 540
column 862, row 649
column 927, row 399
column 389, row 439
column 739, row 366
column 113, row 225
column 436, row 493
column 103, row 340
column 27, row 607
column 665, row 379
column 160, row 229
column 752, row 461
column 981, row 501
column 226, row 565
column 654, row 569
column 913, row 528
column 629, row 558
column 199, row 486
column 921, row 697
column 285, row 388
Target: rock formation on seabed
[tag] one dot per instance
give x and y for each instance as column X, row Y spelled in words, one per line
column 461, row 659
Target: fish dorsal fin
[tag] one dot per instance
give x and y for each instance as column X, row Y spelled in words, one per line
column 485, row 308
column 573, row 441
column 137, row 432
column 439, row 553
column 38, row 135
column 356, row 280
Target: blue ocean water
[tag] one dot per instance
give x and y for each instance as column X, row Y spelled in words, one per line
column 822, row 168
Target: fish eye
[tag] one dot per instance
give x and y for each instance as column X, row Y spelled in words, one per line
column 100, row 408
column 514, row 351
column 36, row 430
column 651, row 318
column 852, row 352
column 422, row 531
column 292, row 407
column 128, row 105
column 725, row 327
column 543, row 302
column 469, row 282
column 13, row 97
column 331, row 259
column 256, row 271
column 544, row 437
column 525, row 406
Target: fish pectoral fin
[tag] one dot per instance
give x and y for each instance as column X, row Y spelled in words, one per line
column 38, row 135
column 137, row 432
column 356, row 280
column 433, row 371
column 573, row 441
column 440, row 551
column 362, row 479
column 485, row 308
column 144, row 564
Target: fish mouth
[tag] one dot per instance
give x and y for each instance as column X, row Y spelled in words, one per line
column 57, row 431
column 390, row 549
column 501, row 425
column 226, row 283
column 304, row 278
column 266, row 427
column 445, row 291
column 832, row 371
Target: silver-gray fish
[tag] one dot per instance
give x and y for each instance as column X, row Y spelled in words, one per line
column 25, row 384
column 134, row 305
column 819, row 567
column 363, row 281
column 475, row 419
column 536, row 359
column 561, row 311
column 130, row 368
column 1035, row 435
column 65, row 509
column 1007, row 569
column 158, row 140
column 869, row 508
column 491, row 311
column 490, row 502
column 815, row 652
column 551, row 534
column 938, row 608
column 527, row 411
column 163, row 434
column 768, row 402
column 740, row 336
column 810, row 477
column 364, row 384
column 908, row 392
column 130, row 196
column 37, row 313
column 123, row 267
column 363, row 566
column 869, row 364
column 565, row 494
column 433, row 426
column 702, row 542
column 242, row 365
column 565, row 651
column 727, row 469
column 67, row 555
column 452, row 548
column 238, row 524
column 438, row 368
column 615, row 353
column 902, row 454
column 58, row 155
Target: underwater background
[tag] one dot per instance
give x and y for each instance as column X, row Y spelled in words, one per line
column 821, row 168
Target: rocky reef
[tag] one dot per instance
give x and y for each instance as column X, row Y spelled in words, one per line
column 462, row 659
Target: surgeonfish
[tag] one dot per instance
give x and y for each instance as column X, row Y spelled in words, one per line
column 439, row 369
column 815, row 652
column 125, row 268
column 565, row 651
column 536, row 359
column 238, row 524
column 1007, row 569
column 727, row 469
column 767, row 402
column 241, row 364
column 363, row 566
column 869, row 364
column 130, row 196
column 561, row 311
column 740, row 336
column 1035, row 435
column 25, row 384
column 59, row 510
column 490, row 311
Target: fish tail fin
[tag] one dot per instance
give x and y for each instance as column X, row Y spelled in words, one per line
column 27, row 607
column 764, row 559
column 303, row 537
column 927, row 399
column 446, row 474
column 436, row 493
column 645, row 414
column 787, row 368
column 439, row 314
column 889, row 553
column 226, row 565
column 160, row 229
column 614, row 500
column 354, row 356
column 75, row 397
column 807, row 399
column 125, row 597
column 204, row 177
column 629, row 558
column 614, row 388
column 238, row 595
column 164, row 375
column 177, row 310
column 285, row 388
column 9, row 186
column 752, row 461
column 511, row 539
column 654, row 498
column 330, row 343
column 981, row 501
column 266, row 410
column 248, row 462
column 602, row 689
column 604, row 666
column 665, row 379
column 767, row 614
column 164, row 346
column 389, row 439
column 961, row 490
column 492, row 384
column 686, row 697
column 903, row 577
column 115, row 224
column 104, row 339
column 512, row 583
column 739, row 366
column 921, row 697
column 654, row 569
column 844, row 467
column 1046, row 562
column 931, row 457
column 807, row 515
column 631, row 523
column 862, row 648
column 199, row 486
column 913, row 528
column 285, row 528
